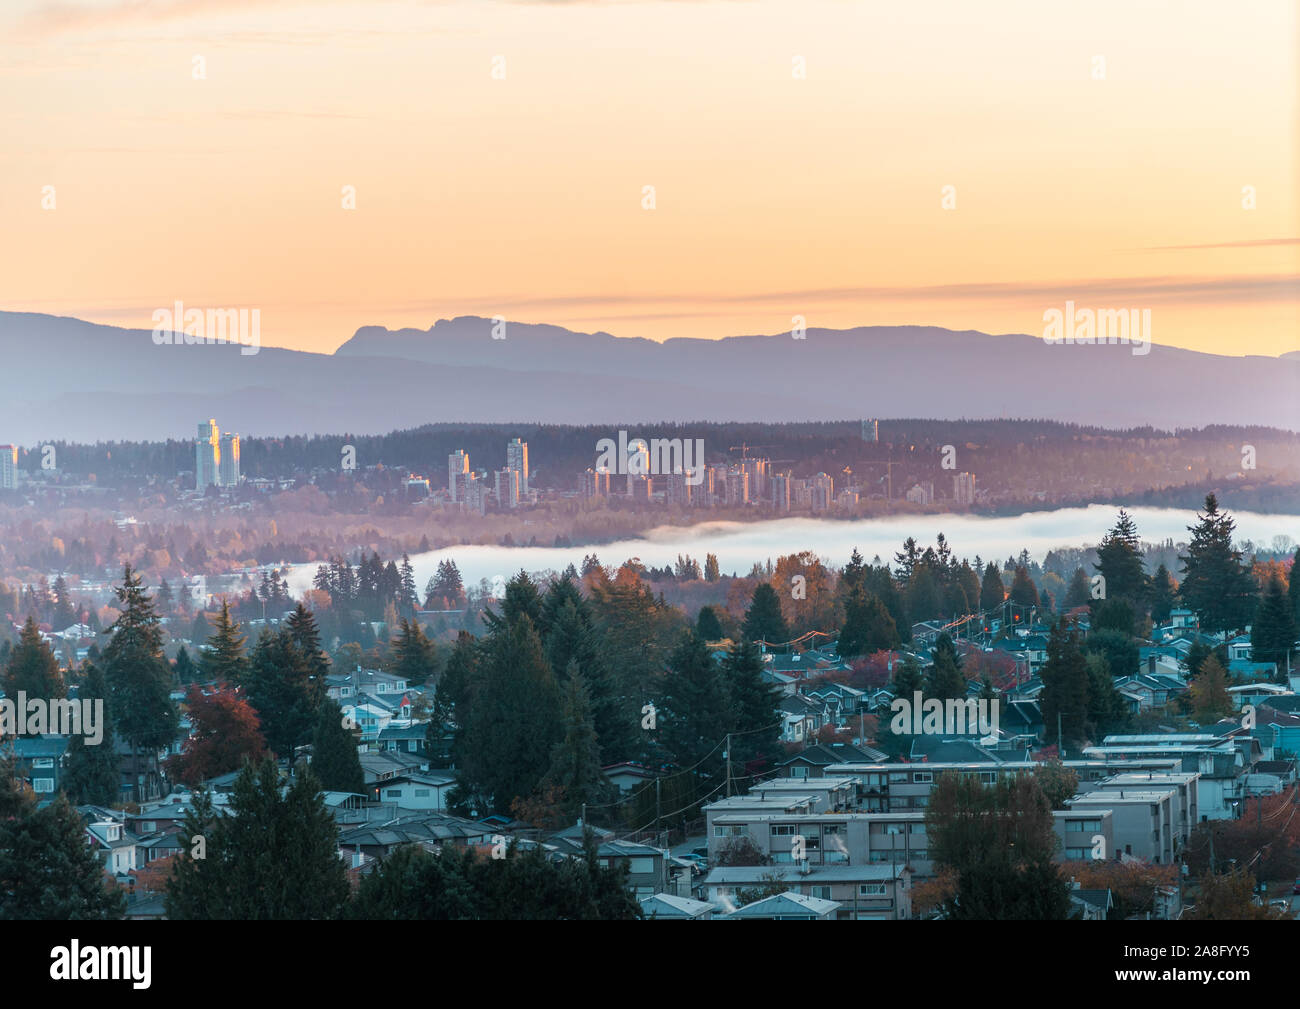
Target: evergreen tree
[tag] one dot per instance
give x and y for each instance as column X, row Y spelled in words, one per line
column 575, row 761
column 1107, row 709
column 763, row 619
column 694, row 706
column 1118, row 649
column 274, row 857
column 1080, row 591
column 223, row 660
column 416, row 655
column 868, row 627
column 1273, row 631
column 1163, row 591
column 137, row 673
column 32, row 667
column 992, row 591
column 1119, row 562
column 410, row 598
column 711, row 568
column 908, row 678
column 1216, row 586
column 91, row 775
column 944, row 679
column 334, row 759
column 756, row 723
column 282, row 691
column 64, row 614
column 1023, row 594
column 184, row 669
column 1293, row 586
column 47, row 871
column 1065, row 686
column 513, row 721
column 707, row 624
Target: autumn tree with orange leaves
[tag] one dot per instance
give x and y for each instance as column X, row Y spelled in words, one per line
column 226, row 731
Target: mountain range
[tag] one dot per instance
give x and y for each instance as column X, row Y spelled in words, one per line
column 80, row 381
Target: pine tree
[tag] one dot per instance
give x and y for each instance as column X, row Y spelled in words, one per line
column 274, row 857
column 64, row 613
column 707, row 624
column 1119, row 562
column 763, row 619
column 32, row 667
column 91, row 775
column 416, row 656
column 1080, row 591
column 47, row 871
column 944, row 679
column 223, row 660
column 1216, row 586
column 334, row 759
column 138, row 674
column 1273, row 631
column 868, row 627
column 908, row 678
column 1065, row 686
column 410, row 599
column 1023, row 594
column 575, row 766
column 756, row 724
column 282, row 691
column 1163, row 591
column 184, row 669
column 694, row 706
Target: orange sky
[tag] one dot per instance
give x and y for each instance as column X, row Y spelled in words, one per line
column 775, row 195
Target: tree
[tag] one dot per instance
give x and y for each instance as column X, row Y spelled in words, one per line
column 1163, row 591
column 999, row 841
column 334, row 759
column 1057, row 781
column 223, row 736
column 1119, row 651
column 1107, row 709
column 513, row 721
column 416, row 655
column 753, row 704
column 223, row 660
column 1216, row 586
column 868, row 627
column 694, row 706
column 1119, row 562
column 1080, row 591
column 32, row 667
column 907, row 678
column 763, row 619
column 1065, row 686
column 1273, row 631
column 184, row 669
column 65, row 615
column 944, row 679
column 274, row 856
column 711, row 568
column 1208, row 691
column 1115, row 615
column 707, row 624
column 1293, row 586
column 47, row 871
column 91, row 774
column 1023, row 594
column 1228, row 896
column 992, row 591
column 138, row 674
column 575, row 760
column 445, row 590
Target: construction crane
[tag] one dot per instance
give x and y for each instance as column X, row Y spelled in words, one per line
column 744, row 448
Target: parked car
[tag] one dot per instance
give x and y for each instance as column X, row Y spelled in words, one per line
column 1282, row 904
column 1296, row 887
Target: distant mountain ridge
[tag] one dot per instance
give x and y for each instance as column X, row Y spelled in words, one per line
column 81, row 381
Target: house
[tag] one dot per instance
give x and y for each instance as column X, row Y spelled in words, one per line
column 116, row 847
column 628, row 775
column 406, row 738
column 813, row 761
column 416, row 789
column 1095, row 905
column 1255, row 694
column 878, row 892
column 670, row 907
column 38, row 761
column 786, row 907
column 379, row 767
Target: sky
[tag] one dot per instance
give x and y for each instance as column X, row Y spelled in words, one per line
column 938, row 163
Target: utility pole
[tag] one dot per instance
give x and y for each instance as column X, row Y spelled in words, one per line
column 728, row 756
column 657, row 806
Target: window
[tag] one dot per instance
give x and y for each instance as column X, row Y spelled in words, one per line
column 831, row 828
column 871, row 890
column 641, row 865
column 798, row 771
column 923, row 777
column 988, row 777
column 824, row 892
column 919, row 853
column 394, row 793
column 1077, row 854
column 421, row 793
column 42, row 785
column 881, row 856
column 148, row 826
column 916, row 828
column 784, row 829
column 898, row 776
column 43, row 762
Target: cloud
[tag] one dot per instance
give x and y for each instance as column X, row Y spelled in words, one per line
column 1254, row 243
